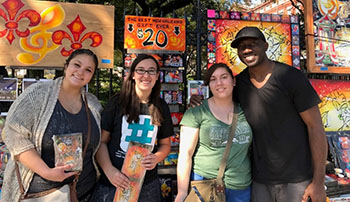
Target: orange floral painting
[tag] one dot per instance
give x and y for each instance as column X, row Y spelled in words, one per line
column 133, row 169
column 43, row 33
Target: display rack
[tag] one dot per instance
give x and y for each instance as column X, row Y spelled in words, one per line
column 172, row 91
column 172, row 80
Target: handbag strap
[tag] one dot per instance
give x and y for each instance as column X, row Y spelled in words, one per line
column 20, row 184
column 87, row 142
column 228, row 145
column 73, row 185
column 76, row 177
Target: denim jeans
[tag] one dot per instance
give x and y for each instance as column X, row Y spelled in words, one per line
column 149, row 192
column 231, row 194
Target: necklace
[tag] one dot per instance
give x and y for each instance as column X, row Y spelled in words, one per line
column 74, row 107
column 71, row 105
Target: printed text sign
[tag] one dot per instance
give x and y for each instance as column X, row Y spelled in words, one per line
column 154, row 34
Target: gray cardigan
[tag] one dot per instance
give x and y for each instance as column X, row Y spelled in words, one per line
column 24, row 128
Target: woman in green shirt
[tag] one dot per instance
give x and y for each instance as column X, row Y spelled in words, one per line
column 204, row 133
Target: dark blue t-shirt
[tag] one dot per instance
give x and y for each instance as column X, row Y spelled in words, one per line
column 62, row 122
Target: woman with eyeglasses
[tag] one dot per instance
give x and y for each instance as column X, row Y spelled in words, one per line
column 138, row 101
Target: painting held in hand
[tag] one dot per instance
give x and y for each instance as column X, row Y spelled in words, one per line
column 133, row 169
column 137, row 140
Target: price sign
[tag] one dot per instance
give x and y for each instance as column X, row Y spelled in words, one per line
column 151, row 34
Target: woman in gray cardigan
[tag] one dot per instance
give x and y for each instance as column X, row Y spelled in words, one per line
column 46, row 109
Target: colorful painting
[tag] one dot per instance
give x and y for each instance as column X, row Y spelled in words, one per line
column 281, row 35
column 8, row 89
column 328, row 36
column 43, row 33
column 166, row 189
column 335, row 112
column 69, row 150
column 197, row 87
column 133, row 169
column 154, row 35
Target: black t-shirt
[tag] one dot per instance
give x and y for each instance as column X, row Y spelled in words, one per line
column 120, row 131
column 63, row 122
column 281, row 151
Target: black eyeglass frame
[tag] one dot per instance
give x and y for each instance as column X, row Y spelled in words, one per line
column 143, row 71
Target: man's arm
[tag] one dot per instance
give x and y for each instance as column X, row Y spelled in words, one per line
column 195, row 100
column 318, row 146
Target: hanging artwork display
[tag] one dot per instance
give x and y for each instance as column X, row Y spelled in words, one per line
column 335, row 113
column 328, row 36
column 281, row 33
column 45, row 33
column 8, row 89
column 154, row 35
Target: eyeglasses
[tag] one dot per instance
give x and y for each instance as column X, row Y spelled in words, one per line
column 150, row 71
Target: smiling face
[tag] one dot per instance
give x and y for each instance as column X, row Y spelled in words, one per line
column 221, row 83
column 145, row 76
column 252, row 52
column 79, row 70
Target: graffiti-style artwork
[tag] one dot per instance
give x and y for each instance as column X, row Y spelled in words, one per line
column 335, row 106
column 328, row 36
column 282, row 37
column 335, row 113
column 54, row 31
column 278, row 37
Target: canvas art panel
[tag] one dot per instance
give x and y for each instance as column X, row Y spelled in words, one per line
column 328, row 36
column 281, row 35
column 45, row 33
column 335, row 113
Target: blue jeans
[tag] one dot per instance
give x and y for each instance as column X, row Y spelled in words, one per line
column 231, row 194
column 149, row 192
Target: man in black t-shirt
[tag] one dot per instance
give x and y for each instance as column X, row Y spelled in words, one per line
column 289, row 142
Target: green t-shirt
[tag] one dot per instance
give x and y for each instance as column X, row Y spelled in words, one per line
column 213, row 135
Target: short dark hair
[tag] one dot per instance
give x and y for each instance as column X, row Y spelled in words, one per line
column 212, row 69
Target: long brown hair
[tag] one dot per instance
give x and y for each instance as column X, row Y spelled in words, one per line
column 130, row 102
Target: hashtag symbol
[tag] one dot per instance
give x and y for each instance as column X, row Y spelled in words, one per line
column 145, row 128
